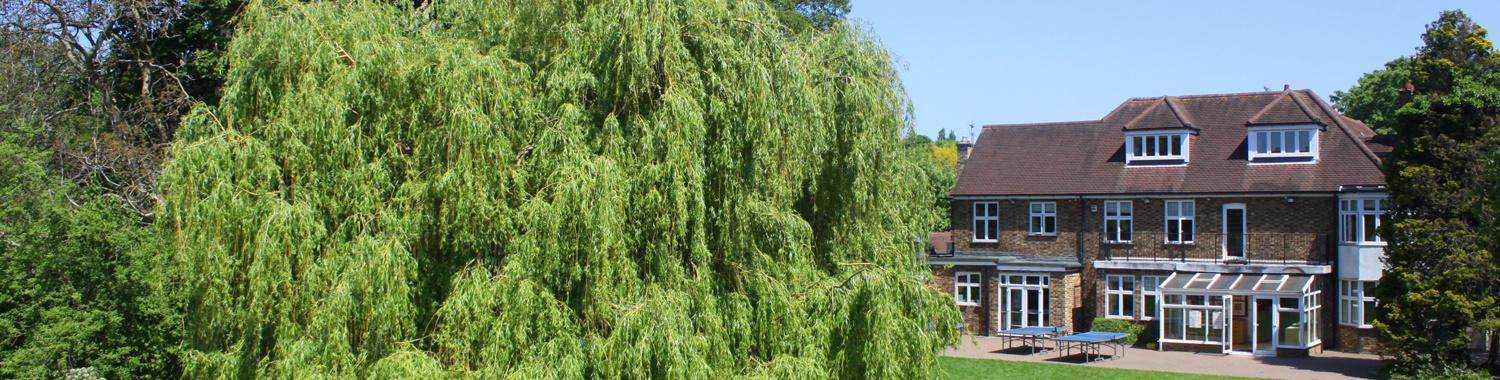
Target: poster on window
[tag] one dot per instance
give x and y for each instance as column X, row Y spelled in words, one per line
column 1218, row 317
column 1195, row 319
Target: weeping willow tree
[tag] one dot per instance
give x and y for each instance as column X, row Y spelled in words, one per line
column 527, row 189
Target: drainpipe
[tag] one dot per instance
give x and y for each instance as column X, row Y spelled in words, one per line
column 1083, row 265
column 1083, row 214
column 1330, row 253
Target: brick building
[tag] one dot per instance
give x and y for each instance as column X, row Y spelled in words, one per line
column 1227, row 223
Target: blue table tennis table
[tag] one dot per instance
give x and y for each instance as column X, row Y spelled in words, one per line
column 1091, row 345
column 1030, row 337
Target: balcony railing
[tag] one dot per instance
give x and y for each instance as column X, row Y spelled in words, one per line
column 1220, row 248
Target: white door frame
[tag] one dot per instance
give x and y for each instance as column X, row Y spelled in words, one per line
column 1226, row 330
column 1224, row 229
column 1255, row 325
column 1026, row 290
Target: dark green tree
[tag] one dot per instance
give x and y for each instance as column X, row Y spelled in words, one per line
column 80, row 293
column 1376, row 97
column 799, row 15
column 1440, row 283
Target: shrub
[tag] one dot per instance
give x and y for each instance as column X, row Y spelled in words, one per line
column 1118, row 325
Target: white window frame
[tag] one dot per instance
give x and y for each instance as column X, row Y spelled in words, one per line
column 1262, row 137
column 968, row 288
column 1353, row 296
column 1150, row 289
column 1169, row 218
column 992, row 233
column 1116, row 216
column 1312, row 314
column 1151, row 149
column 1352, row 214
column 1039, row 213
column 1115, row 293
column 1209, row 306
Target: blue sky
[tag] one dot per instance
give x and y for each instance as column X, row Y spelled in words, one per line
column 993, row 62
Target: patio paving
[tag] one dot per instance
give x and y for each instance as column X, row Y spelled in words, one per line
column 1327, row 365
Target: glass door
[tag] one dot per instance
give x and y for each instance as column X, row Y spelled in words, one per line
column 1015, row 310
column 1239, row 325
column 1224, row 323
column 1264, row 318
column 1234, row 231
column 1024, row 301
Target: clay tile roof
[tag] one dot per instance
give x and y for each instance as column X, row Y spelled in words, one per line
column 1088, row 157
column 1163, row 113
column 1288, row 108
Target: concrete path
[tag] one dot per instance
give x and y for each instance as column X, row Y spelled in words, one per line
column 1327, row 365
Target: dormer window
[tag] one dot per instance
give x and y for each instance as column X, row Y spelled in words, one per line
column 1156, row 148
column 1288, row 144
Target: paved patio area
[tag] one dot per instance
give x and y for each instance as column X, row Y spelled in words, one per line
column 1328, row 365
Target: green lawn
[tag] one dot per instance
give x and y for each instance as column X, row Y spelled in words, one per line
column 960, row 368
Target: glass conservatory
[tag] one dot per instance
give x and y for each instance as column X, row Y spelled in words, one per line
column 1248, row 313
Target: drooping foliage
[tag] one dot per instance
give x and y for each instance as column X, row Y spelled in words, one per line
column 1440, row 284
column 552, row 189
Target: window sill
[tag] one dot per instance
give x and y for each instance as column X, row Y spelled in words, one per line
column 1123, row 318
column 1362, row 327
column 1179, row 242
column 1054, row 234
column 984, row 241
column 1363, row 244
column 968, row 304
column 1120, row 242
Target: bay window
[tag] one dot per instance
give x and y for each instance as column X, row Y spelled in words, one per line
column 1356, row 303
column 1360, row 219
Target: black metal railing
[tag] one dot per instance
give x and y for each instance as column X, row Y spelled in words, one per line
column 1221, row 248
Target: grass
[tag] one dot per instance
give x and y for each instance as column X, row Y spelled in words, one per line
column 961, row 368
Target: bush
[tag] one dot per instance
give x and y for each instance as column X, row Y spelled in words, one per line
column 1118, row 325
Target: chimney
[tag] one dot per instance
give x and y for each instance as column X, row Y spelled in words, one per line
column 963, row 152
column 1286, row 87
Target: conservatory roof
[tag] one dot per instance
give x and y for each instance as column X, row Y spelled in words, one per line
column 1237, row 284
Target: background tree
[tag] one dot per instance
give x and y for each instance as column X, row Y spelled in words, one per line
column 1376, row 97
column 799, row 15
column 79, row 291
column 90, row 94
column 131, row 69
column 940, row 172
column 1440, row 282
column 595, row 190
